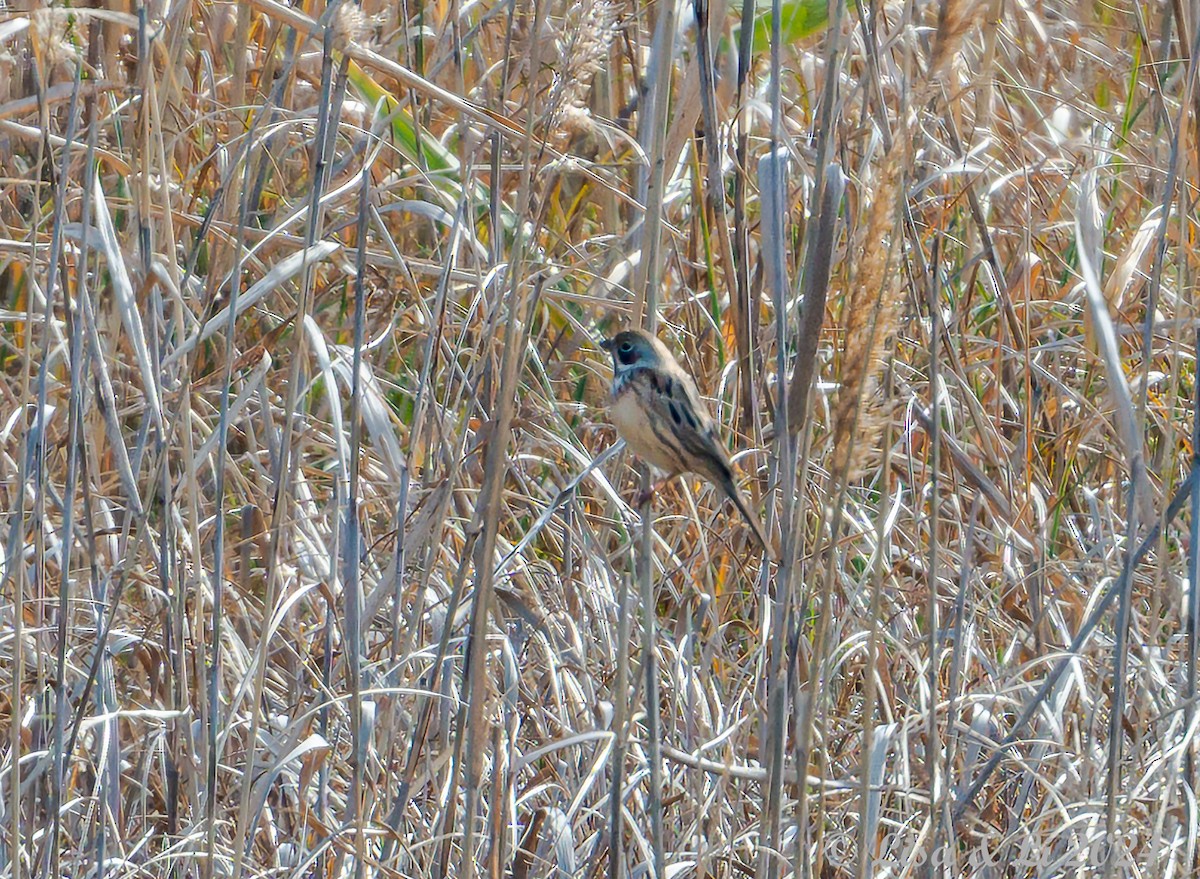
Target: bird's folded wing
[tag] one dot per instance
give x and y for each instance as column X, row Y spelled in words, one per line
column 677, row 403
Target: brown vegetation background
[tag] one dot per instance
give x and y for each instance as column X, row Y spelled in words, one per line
column 314, row 559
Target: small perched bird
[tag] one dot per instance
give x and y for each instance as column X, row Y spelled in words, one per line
column 658, row 411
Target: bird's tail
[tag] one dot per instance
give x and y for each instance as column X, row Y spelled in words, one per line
column 740, row 502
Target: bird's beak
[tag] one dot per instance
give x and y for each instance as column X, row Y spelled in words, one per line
column 606, row 344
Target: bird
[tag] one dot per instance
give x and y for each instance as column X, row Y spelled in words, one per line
column 656, row 408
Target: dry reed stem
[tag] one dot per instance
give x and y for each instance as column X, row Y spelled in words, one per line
column 975, row 647
column 874, row 307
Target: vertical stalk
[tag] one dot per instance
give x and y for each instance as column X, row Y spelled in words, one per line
column 652, row 136
column 1192, row 624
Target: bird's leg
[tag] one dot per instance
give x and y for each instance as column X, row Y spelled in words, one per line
column 644, row 497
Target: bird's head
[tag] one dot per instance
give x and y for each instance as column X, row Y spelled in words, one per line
column 633, row 348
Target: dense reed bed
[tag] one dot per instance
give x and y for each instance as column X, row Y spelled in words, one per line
column 320, row 557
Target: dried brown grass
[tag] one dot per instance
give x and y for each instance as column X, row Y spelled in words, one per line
column 301, row 419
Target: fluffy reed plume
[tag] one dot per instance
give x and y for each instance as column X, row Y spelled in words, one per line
column 351, row 25
column 954, row 20
column 873, row 311
column 590, row 28
column 296, row 698
column 57, row 41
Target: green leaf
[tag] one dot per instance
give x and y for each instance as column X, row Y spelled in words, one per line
column 798, row 20
column 404, row 128
column 424, row 151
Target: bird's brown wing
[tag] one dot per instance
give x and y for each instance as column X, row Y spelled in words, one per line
column 683, row 423
column 693, row 434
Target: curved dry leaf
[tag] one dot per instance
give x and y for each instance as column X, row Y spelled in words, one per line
column 283, row 271
column 1129, row 272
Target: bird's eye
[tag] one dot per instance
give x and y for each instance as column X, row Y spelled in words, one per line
column 626, row 347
